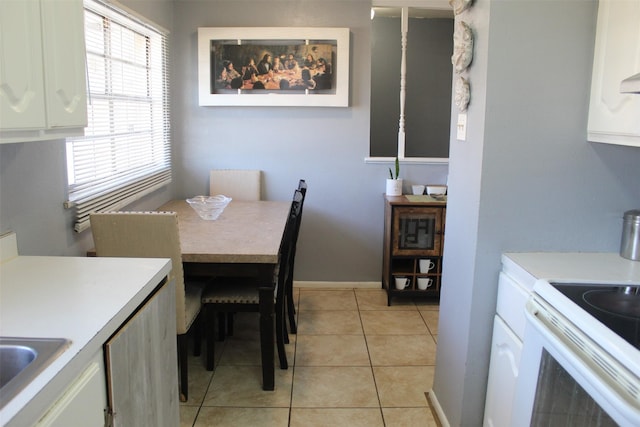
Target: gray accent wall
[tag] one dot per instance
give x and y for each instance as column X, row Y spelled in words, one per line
column 341, row 233
column 525, row 179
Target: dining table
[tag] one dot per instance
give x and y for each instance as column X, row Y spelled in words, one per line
column 244, row 241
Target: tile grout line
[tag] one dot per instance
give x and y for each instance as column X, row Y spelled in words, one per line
column 373, row 375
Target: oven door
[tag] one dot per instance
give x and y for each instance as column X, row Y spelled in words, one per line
column 566, row 379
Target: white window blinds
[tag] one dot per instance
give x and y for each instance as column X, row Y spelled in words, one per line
column 125, row 153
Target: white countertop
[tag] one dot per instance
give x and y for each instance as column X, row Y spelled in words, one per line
column 84, row 300
column 584, row 267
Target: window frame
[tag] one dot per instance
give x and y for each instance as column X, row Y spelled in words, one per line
column 126, row 151
column 441, row 7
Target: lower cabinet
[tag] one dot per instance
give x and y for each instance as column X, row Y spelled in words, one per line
column 85, row 399
column 133, row 379
column 412, row 252
column 506, row 349
column 142, row 366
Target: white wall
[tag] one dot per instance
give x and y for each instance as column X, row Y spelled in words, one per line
column 525, row 179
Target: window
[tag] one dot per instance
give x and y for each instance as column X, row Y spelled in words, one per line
column 411, row 81
column 125, row 153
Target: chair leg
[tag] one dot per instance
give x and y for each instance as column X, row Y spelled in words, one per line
column 230, row 317
column 182, row 363
column 285, row 332
column 291, row 309
column 197, row 335
column 222, row 326
column 281, row 336
column 210, row 321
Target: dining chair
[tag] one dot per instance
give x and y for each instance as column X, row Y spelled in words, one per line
column 239, row 294
column 239, row 184
column 290, row 304
column 153, row 235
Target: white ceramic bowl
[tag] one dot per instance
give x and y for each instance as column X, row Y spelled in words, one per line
column 209, row 207
column 437, row 190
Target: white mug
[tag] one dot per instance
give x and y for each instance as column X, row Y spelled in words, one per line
column 426, row 265
column 424, row 283
column 417, row 189
column 402, row 282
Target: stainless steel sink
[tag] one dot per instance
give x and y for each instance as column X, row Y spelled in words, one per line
column 22, row 359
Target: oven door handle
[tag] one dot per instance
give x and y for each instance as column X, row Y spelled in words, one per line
column 614, row 381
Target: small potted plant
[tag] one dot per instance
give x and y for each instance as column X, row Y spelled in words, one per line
column 394, row 184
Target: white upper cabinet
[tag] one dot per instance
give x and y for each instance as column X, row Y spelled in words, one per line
column 42, row 70
column 614, row 118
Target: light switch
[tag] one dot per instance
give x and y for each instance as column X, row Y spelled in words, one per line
column 461, row 127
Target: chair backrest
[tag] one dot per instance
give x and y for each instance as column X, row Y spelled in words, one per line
column 302, row 186
column 288, row 245
column 143, row 235
column 236, row 183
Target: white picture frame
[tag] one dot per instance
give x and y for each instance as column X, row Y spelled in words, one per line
column 242, row 42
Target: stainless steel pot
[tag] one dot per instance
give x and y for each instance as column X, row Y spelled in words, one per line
column 630, row 243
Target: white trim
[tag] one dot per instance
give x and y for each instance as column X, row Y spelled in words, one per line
column 435, row 405
column 409, row 160
column 127, row 11
column 426, row 4
column 337, row 285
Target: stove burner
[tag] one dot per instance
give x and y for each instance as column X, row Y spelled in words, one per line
column 621, row 301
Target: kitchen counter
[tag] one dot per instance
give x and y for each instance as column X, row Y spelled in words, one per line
column 84, row 300
column 585, row 267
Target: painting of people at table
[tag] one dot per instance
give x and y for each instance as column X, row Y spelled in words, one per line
column 281, row 67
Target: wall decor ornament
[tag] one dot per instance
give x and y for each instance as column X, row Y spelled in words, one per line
column 272, row 66
column 460, row 6
column 462, row 93
column 462, row 46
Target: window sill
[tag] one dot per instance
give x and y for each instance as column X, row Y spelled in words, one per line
column 408, row 160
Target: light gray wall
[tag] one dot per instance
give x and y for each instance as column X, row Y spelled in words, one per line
column 341, row 234
column 33, row 179
column 525, row 179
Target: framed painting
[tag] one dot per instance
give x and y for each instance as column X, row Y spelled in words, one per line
column 273, row 66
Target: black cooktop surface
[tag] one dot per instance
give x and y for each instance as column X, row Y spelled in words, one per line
column 617, row 307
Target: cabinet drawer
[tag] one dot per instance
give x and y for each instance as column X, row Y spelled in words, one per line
column 511, row 302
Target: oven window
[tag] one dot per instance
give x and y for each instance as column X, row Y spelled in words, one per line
column 561, row 401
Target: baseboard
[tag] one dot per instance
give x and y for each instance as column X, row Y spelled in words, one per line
column 435, row 407
column 336, row 285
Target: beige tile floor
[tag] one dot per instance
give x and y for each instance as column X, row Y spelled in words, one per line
column 354, row 362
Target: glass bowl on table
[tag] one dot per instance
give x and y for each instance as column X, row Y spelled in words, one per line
column 209, row 207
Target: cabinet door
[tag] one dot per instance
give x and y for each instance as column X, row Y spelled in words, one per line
column 613, row 117
column 84, row 400
column 22, row 97
column 417, row 231
column 142, row 365
column 506, row 349
column 64, row 59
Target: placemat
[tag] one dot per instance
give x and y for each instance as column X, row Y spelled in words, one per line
column 424, row 198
